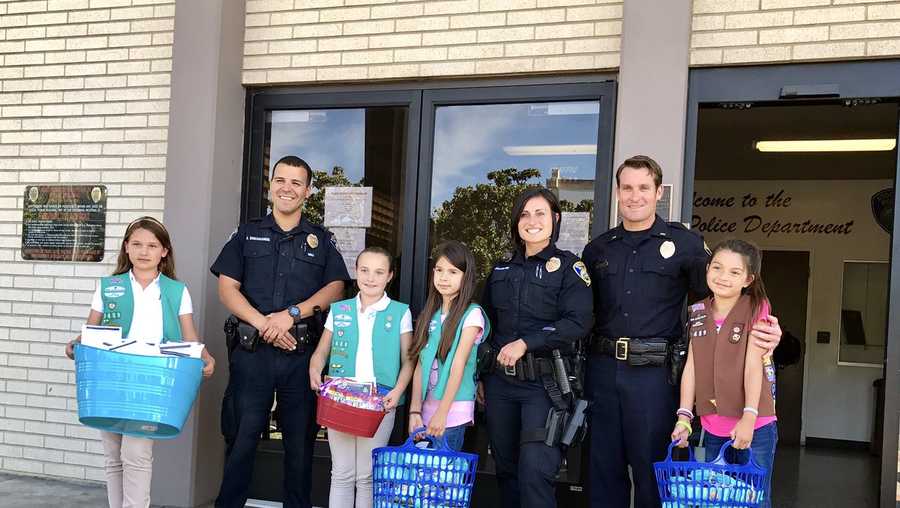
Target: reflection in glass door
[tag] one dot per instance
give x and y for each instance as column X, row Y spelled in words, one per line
column 486, row 154
column 353, row 147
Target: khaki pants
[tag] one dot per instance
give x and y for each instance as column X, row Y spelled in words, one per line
column 351, row 465
column 129, row 468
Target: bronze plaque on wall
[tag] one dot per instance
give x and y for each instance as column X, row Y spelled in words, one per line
column 64, row 222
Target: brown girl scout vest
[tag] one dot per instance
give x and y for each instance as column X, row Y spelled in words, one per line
column 719, row 360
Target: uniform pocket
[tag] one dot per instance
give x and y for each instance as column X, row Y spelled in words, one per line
column 258, row 263
column 543, row 297
column 309, row 266
column 501, row 290
column 660, row 278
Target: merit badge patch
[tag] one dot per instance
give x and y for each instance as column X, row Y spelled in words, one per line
column 582, row 272
column 736, row 334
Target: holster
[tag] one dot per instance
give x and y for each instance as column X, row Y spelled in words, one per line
column 676, row 358
column 240, row 333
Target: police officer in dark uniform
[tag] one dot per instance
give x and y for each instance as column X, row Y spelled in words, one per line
column 540, row 303
column 273, row 273
column 642, row 271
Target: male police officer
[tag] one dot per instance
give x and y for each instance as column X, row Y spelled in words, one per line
column 642, row 271
column 272, row 273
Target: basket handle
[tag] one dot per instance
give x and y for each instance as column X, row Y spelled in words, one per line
column 720, row 459
column 440, row 443
column 672, row 447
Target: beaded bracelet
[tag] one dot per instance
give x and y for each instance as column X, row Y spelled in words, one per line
column 687, row 413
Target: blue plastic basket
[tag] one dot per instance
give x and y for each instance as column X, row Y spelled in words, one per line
column 692, row 484
column 143, row 396
column 411, row 477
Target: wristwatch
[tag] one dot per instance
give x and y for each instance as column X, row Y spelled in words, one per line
column 294, row 312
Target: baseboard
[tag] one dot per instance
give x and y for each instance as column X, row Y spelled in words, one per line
column 842, row 444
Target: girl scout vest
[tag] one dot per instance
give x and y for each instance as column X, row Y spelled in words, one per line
column 466, row 390
column 118, row 304
column 719, row 360
column 385, row 341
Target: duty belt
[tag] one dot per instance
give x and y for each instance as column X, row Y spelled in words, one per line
column 530, row 367
column 638, row 352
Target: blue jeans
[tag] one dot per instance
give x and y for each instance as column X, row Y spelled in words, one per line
column 455, row 436
column 763, row 448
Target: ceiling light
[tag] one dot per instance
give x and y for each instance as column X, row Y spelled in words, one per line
column 828, row 145
column 550, row 150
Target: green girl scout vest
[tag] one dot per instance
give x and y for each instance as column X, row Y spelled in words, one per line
column 118, row 304
column 466, row 390
column 386, row 351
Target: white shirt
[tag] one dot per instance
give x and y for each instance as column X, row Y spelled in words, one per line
column 146, row 323
column 365, row 323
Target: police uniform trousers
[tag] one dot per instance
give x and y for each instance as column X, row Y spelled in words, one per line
column 632, row 416
column 526, row 472
column 256, row 378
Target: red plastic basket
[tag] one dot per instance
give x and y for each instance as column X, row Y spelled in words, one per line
column 349, row 419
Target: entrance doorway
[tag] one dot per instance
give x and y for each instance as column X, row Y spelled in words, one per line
column 439, row 163
column 822, row 211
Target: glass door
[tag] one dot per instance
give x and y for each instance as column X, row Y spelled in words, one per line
column 362, row 150
column 480, row 149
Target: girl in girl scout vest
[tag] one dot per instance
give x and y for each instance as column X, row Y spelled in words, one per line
column 366, row 338
column 144, row 298
column 728, row 375
column 449, row 327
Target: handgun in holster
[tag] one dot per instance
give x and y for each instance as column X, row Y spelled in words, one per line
column 576, row 424
column 484, row 360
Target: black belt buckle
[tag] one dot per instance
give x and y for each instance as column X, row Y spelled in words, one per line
column 622, row 348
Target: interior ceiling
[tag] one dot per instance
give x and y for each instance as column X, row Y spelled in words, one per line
column 725, row 139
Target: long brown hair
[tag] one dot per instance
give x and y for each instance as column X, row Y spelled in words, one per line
column 166, row 264
column 461, row 257
column 752, row 257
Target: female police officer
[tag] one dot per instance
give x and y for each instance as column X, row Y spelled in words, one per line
column 541, row 303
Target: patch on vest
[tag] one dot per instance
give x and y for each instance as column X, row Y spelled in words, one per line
column 114, row 291
column 698, row 306
column 343, row 320
column 736, row 334
column 432, row 325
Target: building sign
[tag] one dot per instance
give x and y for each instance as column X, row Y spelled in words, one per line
column 771, row 214
column 64, row 222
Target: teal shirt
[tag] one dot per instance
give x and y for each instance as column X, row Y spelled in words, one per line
column 428, row 355
column 118, row 304
column 386, row 348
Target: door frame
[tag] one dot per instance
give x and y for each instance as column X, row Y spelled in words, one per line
column 806, row 331
column 843, row 80
column 604, row 91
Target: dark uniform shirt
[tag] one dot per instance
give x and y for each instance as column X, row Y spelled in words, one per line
column 278, row 269
column 544, row 300
column 640, row 279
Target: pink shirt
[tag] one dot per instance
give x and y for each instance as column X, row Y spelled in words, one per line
column 462, row 412
column 721, row 425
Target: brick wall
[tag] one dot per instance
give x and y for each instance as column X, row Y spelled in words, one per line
column 755, row 31
column 84, row 98
column 289, row 41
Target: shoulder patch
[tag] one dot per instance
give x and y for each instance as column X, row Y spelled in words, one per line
column 582, row 272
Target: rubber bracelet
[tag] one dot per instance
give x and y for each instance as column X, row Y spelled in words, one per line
column 416, row 413
column 751, row 410
column 686, row 425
